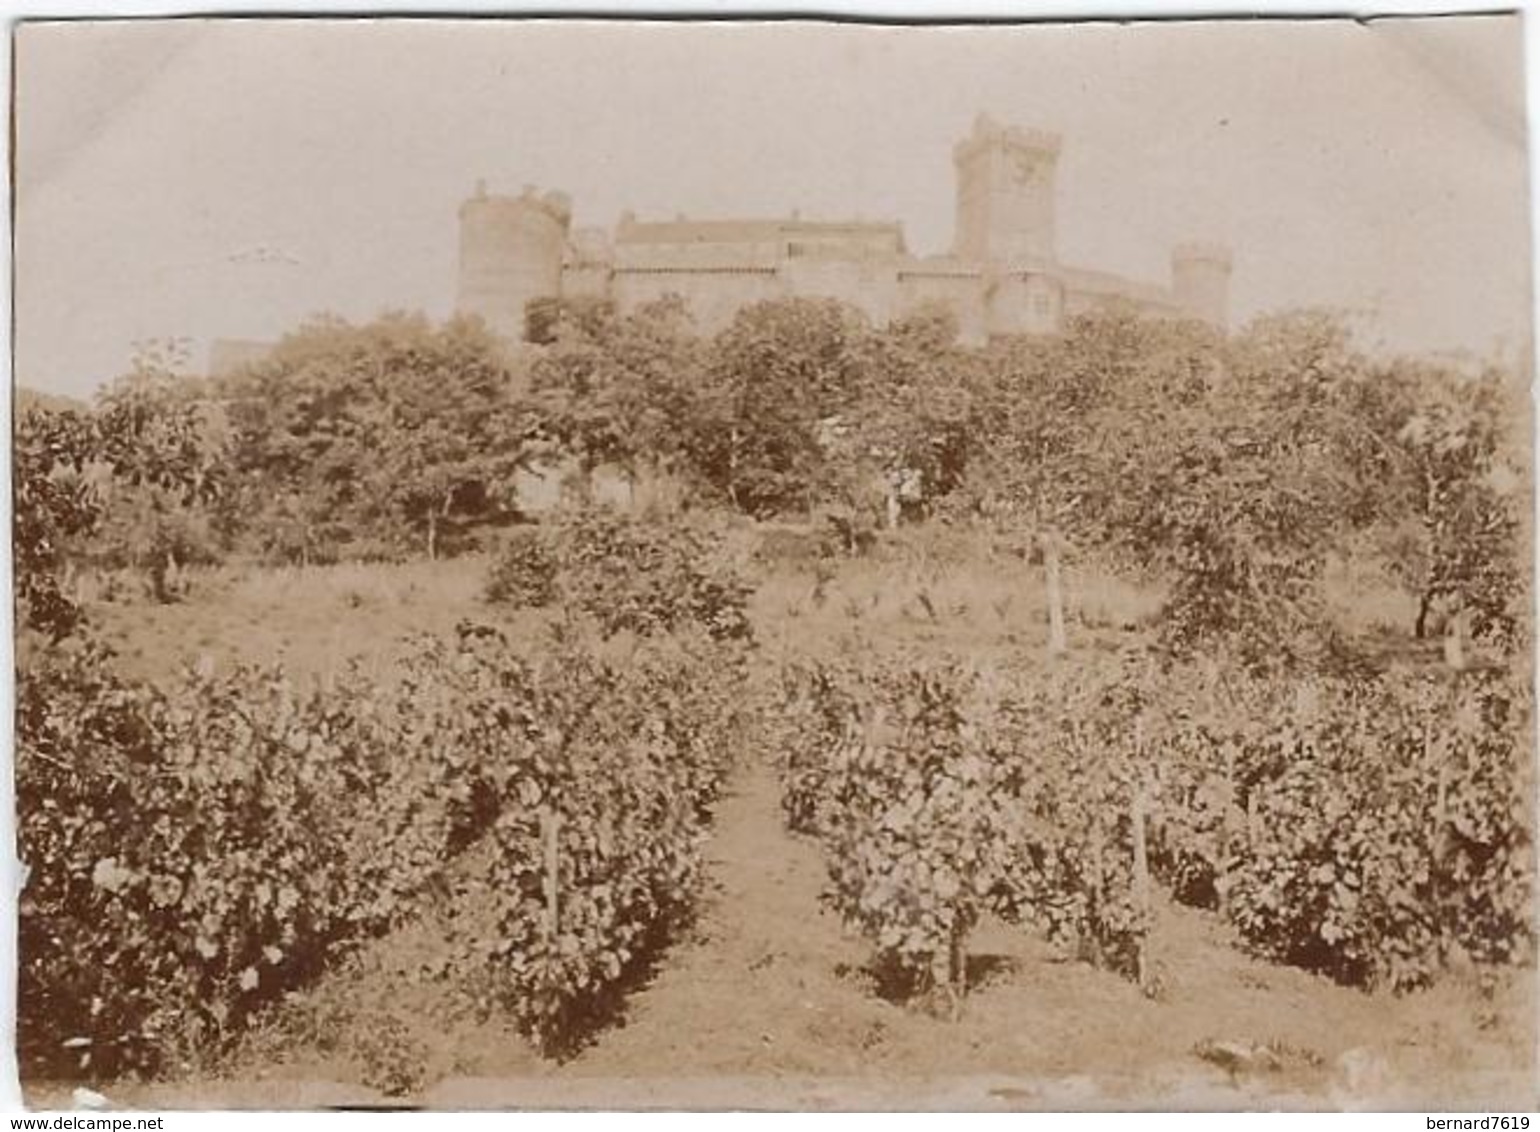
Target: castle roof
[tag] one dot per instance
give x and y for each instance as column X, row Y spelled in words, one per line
column 753, row 231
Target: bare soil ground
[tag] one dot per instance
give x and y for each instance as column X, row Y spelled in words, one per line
column 765, row 1002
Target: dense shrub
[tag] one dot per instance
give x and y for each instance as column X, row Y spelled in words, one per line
column 523, row 573
column 936, row 798
column 171, row 893
column 650, row 575
column 601, row 819
column 637, row 574
column 913, row 811
column 795, row 546
column 53, row 505
column 1372, row 829
column 1393, row 831
column 196, row 852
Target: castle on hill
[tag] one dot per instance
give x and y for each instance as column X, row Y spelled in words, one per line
column 1003, row 275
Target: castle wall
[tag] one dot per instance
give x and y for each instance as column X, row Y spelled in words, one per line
column 698, row 254
column 713, row 295
column 707, row 243
column 960, row 289
column 587, row 265
column 1025, row 303
column 1045, row 299
column 867, row 285
column 586, row 281
column 1078, row 302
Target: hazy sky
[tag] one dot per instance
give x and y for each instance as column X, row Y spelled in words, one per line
column 227, row 178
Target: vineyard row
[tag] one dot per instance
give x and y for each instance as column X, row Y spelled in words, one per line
column 198, row 852
column 1373, row 830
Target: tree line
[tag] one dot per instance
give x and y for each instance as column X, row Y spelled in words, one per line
column 1231, row 465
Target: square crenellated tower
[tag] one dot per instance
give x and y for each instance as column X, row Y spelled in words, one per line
column 1005, row 193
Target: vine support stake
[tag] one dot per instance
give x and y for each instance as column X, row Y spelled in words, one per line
column 1227, row 832
column 550, row 829
column 959, row 962
column 1142, row 878
column 1433, row 751
column 1057, row 641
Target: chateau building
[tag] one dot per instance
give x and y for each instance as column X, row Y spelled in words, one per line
column 1003, row 275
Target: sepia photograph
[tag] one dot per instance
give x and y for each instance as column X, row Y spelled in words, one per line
column 798, row 565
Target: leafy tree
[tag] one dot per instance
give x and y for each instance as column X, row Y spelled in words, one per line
column 1450, row 529
column 621, row 391
column 368, row 435
column 133, row 480
column 1242, row 489
column 165, row 445
column 912, row 435
column 53, row 504
column 1052, row 422
column 456, row 436
column 780, row 373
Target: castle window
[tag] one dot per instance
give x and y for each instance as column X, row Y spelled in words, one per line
column 1042, row 305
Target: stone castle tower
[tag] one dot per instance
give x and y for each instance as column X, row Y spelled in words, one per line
column 1005, row 194
column 511, row 251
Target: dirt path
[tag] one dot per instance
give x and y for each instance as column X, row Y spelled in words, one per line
column 755, row 989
